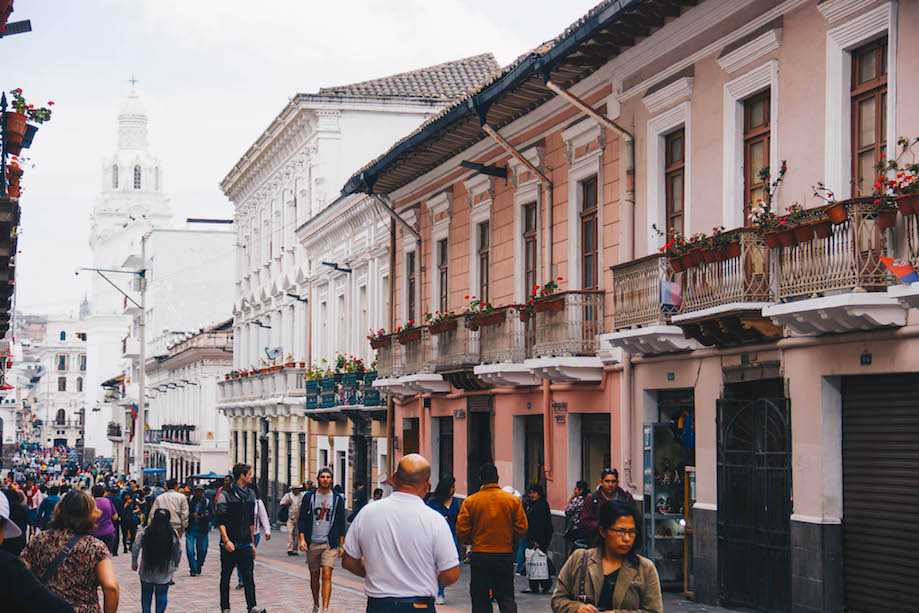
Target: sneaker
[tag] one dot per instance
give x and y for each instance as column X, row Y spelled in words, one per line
column 316, row 608
column 439, row 600
column 256, row 610
column 240, row 586
column 292, row 553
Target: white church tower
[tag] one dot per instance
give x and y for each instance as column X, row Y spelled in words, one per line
column 130, row 204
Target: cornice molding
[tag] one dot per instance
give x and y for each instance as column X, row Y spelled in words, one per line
column 669, row 95
column 834, row 10
column 758, row 47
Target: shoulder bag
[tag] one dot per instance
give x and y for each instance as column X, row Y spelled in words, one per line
column 61, row 555
column 582, row 581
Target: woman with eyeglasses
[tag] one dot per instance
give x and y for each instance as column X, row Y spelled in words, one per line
column 611, row 576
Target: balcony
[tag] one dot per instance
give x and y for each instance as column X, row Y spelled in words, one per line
column 417, row 369
column 274, row 385
column 641, row 319
column 723, row 301
column 567, row 325
column 456, row 349
column 114, row 432
column 389, row 367
column 130, row 347
column 350, row 394
column 839, row 284
column 503, row 348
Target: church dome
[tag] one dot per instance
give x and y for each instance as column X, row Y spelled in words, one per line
column 132, row 107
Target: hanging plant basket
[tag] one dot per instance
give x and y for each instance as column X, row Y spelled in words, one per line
column 676, row 264
column 837, row 212
column 686, row 261
column 489, row 319
column 803, row 233
column 379, row 343
column 823, row 228
column 549, row 305
column 446, row 325
column 13, row 191
column 410, row 336
column 887, row 218
column 908, row 204
column 15, row 128
column 524, row 315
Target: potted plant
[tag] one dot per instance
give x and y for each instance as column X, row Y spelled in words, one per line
column 17, row 118
column 835, row 210
column 439, row 323
column 765, row 222
column 546, row 300
column 901, row 179
column 481, row 313
column 6, row 7
column 525, row 311
column 13, row 176
column 796, row 220
column 379, row 339
column 674, row 249
column 409, row 333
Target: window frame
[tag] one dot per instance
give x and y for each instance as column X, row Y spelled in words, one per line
column 483, row 243
column 443, row 271
column 62, row 384
column 753, row 136
column 530, row 213
column 673, row 169
column 411, row 289
column 589, row 208
column 859, row 93
column 138, row 177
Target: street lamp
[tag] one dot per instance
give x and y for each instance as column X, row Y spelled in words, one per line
column 139, row 269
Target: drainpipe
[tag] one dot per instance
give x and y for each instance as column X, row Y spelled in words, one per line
column 626, row 394
column 547, row 266
column 390, row 405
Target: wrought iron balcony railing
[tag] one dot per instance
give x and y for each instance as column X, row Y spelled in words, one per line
column 637, row 292
column 388, row 355
column 567, row 323
column 416, row 353
column 455, row 345
column 510, row 340
column 742, row 279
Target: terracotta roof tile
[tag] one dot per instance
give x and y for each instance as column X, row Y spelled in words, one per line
column 445, row 82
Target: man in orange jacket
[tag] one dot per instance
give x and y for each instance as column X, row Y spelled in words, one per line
column 492, row 522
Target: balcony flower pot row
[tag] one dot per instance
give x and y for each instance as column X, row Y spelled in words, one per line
column 443, row 326
column 412, row 335
column 710, row 255
column 381, row 341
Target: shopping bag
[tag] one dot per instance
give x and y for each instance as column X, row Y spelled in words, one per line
column 537, row 564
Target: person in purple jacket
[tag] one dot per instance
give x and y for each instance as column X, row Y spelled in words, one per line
column 105, row 525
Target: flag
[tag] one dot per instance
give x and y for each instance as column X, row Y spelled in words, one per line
column 671, row 294
column 903, row 270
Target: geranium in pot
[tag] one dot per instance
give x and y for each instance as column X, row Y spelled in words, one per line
column 439, row 323
column 675, row 249
column 902, row 179
column 525, row 311
column 545, row 298
column 481, row 313
column 835, row 210
column 409, row 333
column 379, row 339
column 795, row 219
column 17, row 119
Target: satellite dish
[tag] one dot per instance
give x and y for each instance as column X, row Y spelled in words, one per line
column 274, row 353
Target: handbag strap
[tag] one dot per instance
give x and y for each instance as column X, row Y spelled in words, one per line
column 56, row 562
column 582, row 590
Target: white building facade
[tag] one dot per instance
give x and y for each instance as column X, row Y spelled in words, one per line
column 60, row 397
column 131, row 202
column 289, row 176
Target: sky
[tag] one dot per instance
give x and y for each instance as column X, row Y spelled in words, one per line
column 212, row 74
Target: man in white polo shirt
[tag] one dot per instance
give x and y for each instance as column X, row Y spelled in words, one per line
column 403, row 548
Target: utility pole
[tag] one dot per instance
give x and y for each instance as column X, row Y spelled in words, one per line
column 140, row 421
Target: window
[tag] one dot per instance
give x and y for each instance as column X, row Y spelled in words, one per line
column 443, row 273
column 82, row 335
column 530, row 253
column 756, row 135
column 62, row 362
column 83, row 362
column 114, row 176
column 589, row 233
column 411, row 285
column 61, row 418
column 674, row 174
column 484, row 241
column 63, row 335
column 137, row 177
column 79, row 384
column 62, row 384
column 869, row 113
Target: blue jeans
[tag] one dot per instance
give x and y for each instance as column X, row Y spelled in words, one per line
column 239, row 574
column 147, row 591
column 521, row 555
column 196, row 548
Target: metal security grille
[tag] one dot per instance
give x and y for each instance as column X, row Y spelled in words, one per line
column 754, row 503
column 880, row 461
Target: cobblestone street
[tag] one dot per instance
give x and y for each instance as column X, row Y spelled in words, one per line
column 282, row 585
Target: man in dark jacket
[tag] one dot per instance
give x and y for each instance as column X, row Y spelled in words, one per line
column 236, row 522
column 196, row 538
column 118, row 503
column 609, row 490
column 322, row 534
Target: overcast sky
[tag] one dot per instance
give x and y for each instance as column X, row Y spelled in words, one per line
column 212, row 74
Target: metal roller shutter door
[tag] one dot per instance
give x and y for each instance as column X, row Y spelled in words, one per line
column 880, row 461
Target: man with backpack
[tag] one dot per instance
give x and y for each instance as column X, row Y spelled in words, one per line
column 322, row 535
column 608, row 490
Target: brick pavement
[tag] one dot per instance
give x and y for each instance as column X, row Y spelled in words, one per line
column 282, row 586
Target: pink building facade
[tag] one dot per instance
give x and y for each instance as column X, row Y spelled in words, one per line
column 763, row 395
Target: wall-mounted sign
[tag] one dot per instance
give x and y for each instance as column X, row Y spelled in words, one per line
column 670, row 376
column 865, row 359
column 459, row 414
column 560, row 407
column 560, row 418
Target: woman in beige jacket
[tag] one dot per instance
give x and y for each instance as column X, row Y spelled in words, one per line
column 610, row 577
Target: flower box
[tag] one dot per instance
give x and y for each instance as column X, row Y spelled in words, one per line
column 772, row 239
column 410, row 336
column 696, row 255
column 328, row 384
column 803, row 233
column 444, row 325
column 677, row 264
column 549, row 305
column 350, row 379
column 732, row 250
column 686, row 261
column 887, row 218
column 710, row 256
column 908, row 204
column 379, row 343
column 787, row 238
column 837, row 212
column 823, row 228
column 275, row 368
column 489, row 319
column 524, row 315
column 15, row 128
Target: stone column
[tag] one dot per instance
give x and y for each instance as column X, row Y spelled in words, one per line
column 295, row 451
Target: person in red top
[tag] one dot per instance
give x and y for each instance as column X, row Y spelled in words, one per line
column 608, row 490
column 33, row 501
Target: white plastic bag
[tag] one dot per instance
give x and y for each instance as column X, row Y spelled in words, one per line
column 537, row 564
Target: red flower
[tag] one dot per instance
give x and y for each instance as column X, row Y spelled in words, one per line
column 50, row 103
column 559, row 279
column 465, row 297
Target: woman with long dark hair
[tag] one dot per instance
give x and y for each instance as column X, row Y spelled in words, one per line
column 611, row 576
column 443, row 502
column 539, row 531
column 162, row 553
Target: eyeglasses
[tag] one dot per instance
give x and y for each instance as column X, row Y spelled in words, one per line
column 622, row 533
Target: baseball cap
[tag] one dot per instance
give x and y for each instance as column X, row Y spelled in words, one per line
column 11, row 530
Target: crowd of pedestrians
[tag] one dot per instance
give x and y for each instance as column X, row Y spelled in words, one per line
column 61, row 524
